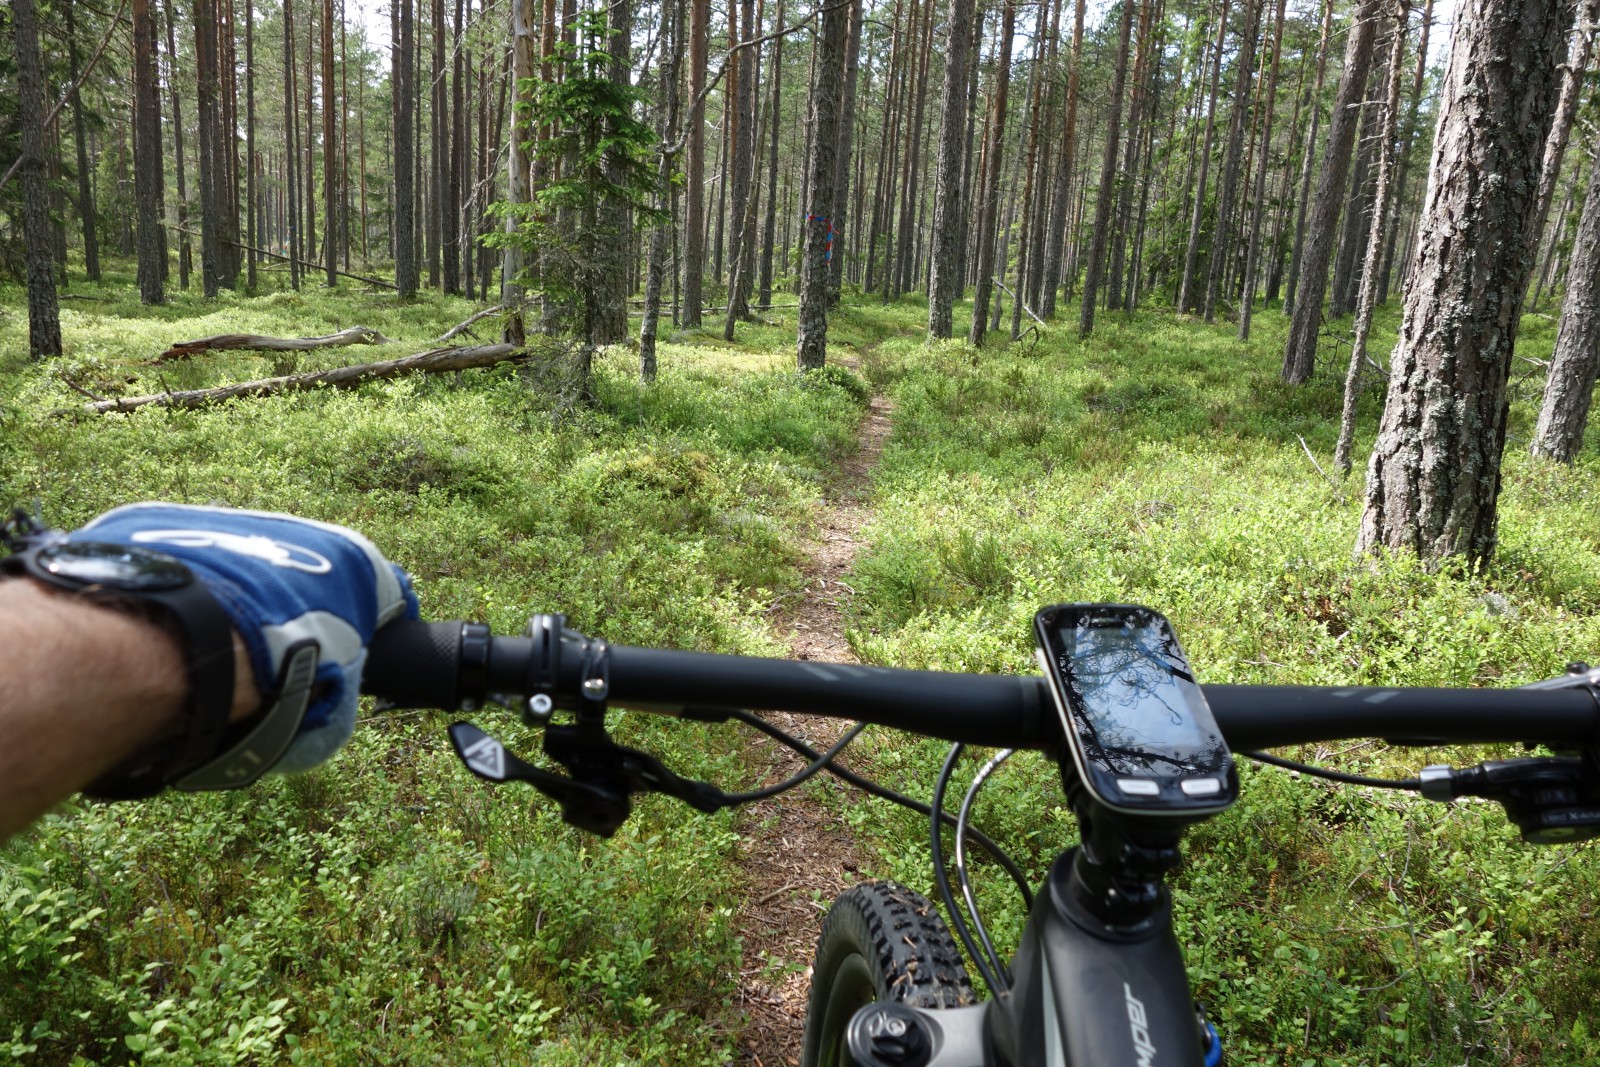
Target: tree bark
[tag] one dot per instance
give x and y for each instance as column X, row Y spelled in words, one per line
column 1247, row 295
column 1300, row 355
column 813, row 316
column 44, row 311
column 1309, row 158
column 86, row 207
column 405, row 93
column 147, row 159
column 1108, row 173
column 518, row 190
column 1409, row 137
column 694, row 254
column 1572, row 72
column 944, row 282
column 353, row 335
column 184, row 263
column 1434, row 479
column 1061, row 195
column 1367, row 299
column 434, row 361
column 987, row 212
column 769, row 227
column 1227, row 188
column 1191, row 256
column 1569, row 389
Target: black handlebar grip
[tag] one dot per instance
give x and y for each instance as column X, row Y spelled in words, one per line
column 412, row 664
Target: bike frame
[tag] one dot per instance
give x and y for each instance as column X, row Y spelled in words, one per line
column 1098, row 978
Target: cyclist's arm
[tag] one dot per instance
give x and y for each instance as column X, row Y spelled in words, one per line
column 82, row 687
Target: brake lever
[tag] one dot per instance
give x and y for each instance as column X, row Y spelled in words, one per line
column 1551, row 799
column 597, row 809
column 589, row 757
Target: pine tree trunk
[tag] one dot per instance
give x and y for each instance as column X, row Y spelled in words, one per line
column 1227, row 188
column 147, row 158
column 1308, row 160
column 405, row 94
column 1569, row 389
column 945, row 284
column 1434, row 479
column 44, row 310
column 847, row 128
column 1353, row 227
column 667, row 126
column 769, row 227
column 1108, row 172
column 695, row 165
column 1191, row 258
column 983, row 283
column 291, row 112
column 1299, row 357
column 813, row 316
column 1061, row 195
column 1130, row 164
column 1572, row 73
column 1409, row 138
column 610, row 321
column 1368, row 297
column 86, row 208
column 518, row 166
column 1247, row 295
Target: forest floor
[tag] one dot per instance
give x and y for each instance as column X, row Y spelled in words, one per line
column 798, row 855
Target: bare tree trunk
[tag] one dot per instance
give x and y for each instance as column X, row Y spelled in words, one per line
column 1409, row 137
column 1309, row 158
column 769, row 228
column 330, row 186
column 1369, row 273
column 1061, row 195
column 694, row 254
column 147, row 161
column 1572, row 72
column 1108, row 173
column 86, row 208
column 1227, row 188
column 667, row 124
column 1123, row 211
column 984, row 282
column 813, row 317
column 945, row 283
column 405, row 93
column 1191, row 257
column 1569, row 389
column 518, row 189
column 1300, row 354
column 847, row 127
column 291, row 125
column 1247, row 294
column 44, row 311
column 1434, row 479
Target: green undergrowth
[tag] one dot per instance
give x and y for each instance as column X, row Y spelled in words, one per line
column 1162, row 463
column 390, row 908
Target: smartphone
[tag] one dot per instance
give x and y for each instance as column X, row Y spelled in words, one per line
column 1141, row 733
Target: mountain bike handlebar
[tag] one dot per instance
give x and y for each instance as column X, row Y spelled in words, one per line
column 459, row 665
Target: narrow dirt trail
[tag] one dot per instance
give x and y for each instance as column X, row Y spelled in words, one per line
column 798, row 855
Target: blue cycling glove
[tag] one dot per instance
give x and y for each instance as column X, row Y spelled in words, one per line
column 305, row 596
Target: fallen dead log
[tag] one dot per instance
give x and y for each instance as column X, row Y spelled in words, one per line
column 433, row 361
column 465, row 326
column 355, row 335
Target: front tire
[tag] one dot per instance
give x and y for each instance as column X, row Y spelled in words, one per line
column 880, row 942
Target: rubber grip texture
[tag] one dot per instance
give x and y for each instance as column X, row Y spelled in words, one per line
column 412, row 664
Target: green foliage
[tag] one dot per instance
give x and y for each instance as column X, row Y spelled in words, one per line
column 1160, row 463
column 391, row 909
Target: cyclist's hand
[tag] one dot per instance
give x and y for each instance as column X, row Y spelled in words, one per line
column 283, row 581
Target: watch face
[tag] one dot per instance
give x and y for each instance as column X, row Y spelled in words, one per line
column 118, row 567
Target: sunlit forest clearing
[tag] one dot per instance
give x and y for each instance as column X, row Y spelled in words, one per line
column 846, row 331
column 391, row 908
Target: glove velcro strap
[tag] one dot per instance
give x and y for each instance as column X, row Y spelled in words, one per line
column 265, row 739
column 204, row 631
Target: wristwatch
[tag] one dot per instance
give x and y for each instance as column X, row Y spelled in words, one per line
column 165, row 591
